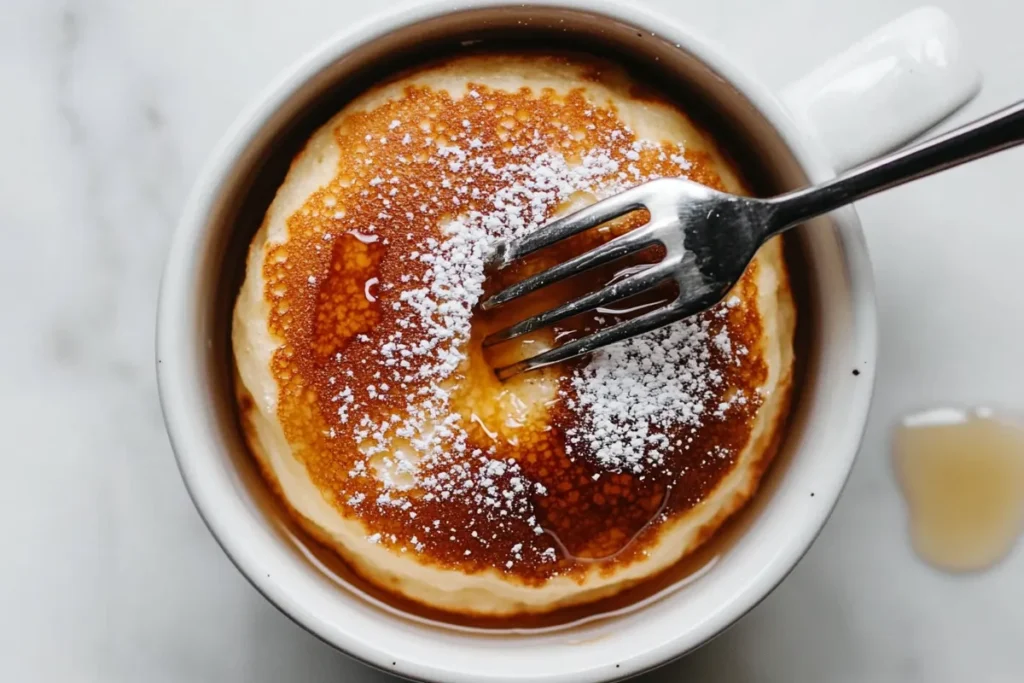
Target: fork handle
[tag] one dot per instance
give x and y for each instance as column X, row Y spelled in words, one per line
column 987, row 135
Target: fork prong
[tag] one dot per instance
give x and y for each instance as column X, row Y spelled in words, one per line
column 610, row 335
column 609, row 251
column 634, row 284
column 567, row 226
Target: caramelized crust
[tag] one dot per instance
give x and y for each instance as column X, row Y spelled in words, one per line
column 335, row 291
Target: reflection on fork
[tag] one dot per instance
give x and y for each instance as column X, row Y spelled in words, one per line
column 709, row 237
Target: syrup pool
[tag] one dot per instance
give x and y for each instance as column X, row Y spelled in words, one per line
column 962, row 475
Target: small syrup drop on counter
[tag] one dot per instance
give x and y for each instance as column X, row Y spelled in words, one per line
column 962, row 474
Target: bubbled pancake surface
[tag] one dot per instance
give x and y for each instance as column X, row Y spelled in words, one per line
column 372, row 407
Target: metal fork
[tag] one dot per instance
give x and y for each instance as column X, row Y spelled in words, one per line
column 710, row 237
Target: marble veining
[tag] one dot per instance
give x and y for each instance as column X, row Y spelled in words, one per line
column 108, row 110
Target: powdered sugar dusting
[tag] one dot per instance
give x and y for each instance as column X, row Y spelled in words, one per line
column 442, row 304
column 630, row 390
column 395, row 416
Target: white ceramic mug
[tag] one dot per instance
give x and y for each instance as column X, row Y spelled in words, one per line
column 880, row 93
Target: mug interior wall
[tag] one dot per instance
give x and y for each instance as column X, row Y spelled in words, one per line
column 759, row 152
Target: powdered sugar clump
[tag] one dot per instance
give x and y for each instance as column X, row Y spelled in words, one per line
column 631, row 392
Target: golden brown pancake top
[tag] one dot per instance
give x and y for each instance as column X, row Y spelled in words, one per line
column 332, row 289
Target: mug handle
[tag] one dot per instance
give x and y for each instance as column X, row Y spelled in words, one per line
column 886, row 89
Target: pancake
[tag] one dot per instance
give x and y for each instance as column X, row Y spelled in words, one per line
column 373, row 409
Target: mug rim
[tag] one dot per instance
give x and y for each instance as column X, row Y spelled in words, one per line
column 173, row 338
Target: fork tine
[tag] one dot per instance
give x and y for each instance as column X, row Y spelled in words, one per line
column 610, row 335
column 622, row 245
column 634, row 284
column 591, row 216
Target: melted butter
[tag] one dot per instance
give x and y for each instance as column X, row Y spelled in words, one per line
column 962, row 474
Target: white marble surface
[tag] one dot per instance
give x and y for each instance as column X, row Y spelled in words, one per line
column 108, row 108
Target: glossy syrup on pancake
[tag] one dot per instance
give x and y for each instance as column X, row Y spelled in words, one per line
column 387, row 399
column 565, row 620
